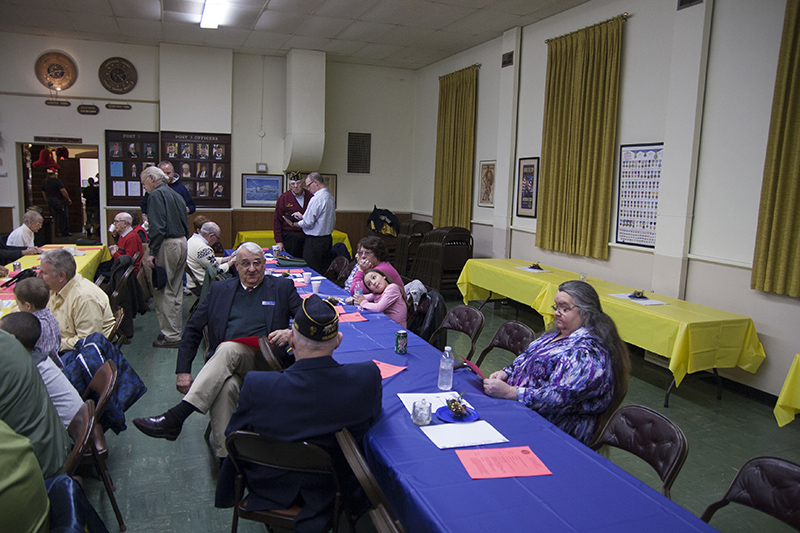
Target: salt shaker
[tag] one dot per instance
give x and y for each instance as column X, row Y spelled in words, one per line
column 421, row 413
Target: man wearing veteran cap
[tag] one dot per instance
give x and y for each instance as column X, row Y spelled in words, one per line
column 295, row 200
column 309, row 401
column 250, row 306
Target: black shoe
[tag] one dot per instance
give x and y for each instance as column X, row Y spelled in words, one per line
column 164, row 343
column 158, row 427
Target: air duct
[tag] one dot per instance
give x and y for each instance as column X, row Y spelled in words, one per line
column 305, row 110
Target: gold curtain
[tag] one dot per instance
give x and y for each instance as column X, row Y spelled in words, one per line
column 455, row 146
column 776, row 260
column 580, row 123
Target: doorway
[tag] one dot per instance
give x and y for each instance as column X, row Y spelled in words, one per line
column 77, row 163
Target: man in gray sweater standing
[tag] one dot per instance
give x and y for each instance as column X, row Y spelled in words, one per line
column 169, row 228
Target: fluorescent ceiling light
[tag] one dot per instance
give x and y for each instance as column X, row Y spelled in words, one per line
column 213, row 13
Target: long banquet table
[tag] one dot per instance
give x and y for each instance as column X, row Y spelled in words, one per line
column 86, row 266
column 429, row 488
column 266, row 238
column 693, row 337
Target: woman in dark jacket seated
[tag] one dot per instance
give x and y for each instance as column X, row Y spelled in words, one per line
column 569, row 375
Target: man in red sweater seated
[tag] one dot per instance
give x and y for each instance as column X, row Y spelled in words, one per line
column 129, row 242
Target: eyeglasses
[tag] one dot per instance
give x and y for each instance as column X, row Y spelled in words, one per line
column 563, row 310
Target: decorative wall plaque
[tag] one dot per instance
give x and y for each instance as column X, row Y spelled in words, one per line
column 118, row 75
column 56, row 71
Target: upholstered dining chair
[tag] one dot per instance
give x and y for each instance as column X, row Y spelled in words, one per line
column 246, row 447
column 464, row 319
column 512, row 336
column 768, row 484
column 364, row 476
column 650, row 436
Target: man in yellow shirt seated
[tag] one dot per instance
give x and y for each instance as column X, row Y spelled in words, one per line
column 80, row 306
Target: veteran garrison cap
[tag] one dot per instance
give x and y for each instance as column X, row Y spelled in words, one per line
column 317, row 319
column 295, row 176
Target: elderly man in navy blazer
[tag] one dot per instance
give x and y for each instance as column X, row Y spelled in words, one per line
column 309, row 401
column 251, row 306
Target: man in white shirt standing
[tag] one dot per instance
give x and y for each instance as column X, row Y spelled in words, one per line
column 23, row 235
column 317, row 223
column 199, row 254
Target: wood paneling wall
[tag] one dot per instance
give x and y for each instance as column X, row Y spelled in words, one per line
column 230, row 222
column 7, row 220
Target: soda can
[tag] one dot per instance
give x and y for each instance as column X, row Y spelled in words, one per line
column 401, row 342
column 17, row 266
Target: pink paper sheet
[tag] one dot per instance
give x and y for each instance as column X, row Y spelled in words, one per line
column 494, row 463
column 388, row 370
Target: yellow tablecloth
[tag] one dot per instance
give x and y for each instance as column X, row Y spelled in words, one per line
column 788, row 403
column 692, row 336
column 86, row 264
column 266, row 238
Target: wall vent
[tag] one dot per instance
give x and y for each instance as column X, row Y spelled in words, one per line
column 359, row 152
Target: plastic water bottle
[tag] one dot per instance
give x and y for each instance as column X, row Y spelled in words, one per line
column 359, row 291
column 446, row 369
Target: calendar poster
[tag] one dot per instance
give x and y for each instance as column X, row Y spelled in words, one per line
column 639, row 177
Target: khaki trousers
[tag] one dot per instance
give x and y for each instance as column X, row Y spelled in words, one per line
column 216, row 388
column 169, row 301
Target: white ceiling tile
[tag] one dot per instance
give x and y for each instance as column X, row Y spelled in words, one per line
column 364, row 31
column 437, row 16
column 447, row 41
column 483, row 21
column 315, row 26
column 304, row 43
column 187, row 18
column 393, row 11
column 140, row 9
column 402, row 35
column 47, row 19
column 244, row 18
column 9, row 16
column 184, row 6
column 36, row 4
column 474, row 4
column 250, row 4
column 294, row 6
column 225, row 37
column 338, row 47
column 146, row 29
column 259, row 40
column 377, row 51
column 98, row 7
column 515, row 7
column 279, row 22
column 92, row 23
column 180, row 33
column 345, row 9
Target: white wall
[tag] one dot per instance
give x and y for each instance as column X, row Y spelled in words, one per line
column 379, row 101
column 259, row 86
column 24, row 115
column 741, row 74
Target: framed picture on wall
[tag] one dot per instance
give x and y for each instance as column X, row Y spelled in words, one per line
column 486, row 196
column 261, row 190
column 527, row 187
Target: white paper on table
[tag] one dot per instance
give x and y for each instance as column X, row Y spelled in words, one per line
column 649, row 301
column 8, row 303
column 466, row 434
column 318, row 277
column 534, row 270
column 436, row 399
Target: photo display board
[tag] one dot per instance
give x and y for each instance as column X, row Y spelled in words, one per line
column 127, row 154
column 203, row 163
column 639, row 178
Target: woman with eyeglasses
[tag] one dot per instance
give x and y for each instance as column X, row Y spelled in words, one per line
column 571, row 373
column 371, row 253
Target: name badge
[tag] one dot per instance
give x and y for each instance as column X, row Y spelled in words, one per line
column 267, row 302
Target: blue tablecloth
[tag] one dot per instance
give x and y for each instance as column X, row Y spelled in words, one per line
column 429, row 488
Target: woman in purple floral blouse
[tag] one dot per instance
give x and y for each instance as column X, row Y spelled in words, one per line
column 569, row 375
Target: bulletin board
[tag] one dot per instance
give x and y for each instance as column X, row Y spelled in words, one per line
column 127, row 154
column 203, row 162
column 639, row 179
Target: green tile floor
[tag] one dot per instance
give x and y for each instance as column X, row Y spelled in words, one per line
column 169, row 486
